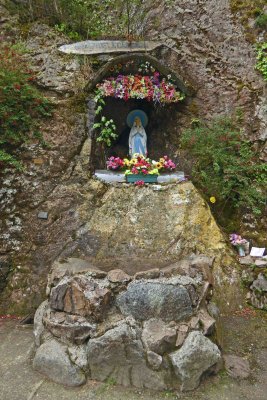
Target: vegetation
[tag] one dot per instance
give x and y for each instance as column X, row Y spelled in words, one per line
column 106, row 127
column 21, row 106
column 261, row 21
column 83, row 18
column 226, row 167
column 262, row 59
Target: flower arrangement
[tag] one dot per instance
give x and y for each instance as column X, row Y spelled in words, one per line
column 150, row 88
column 141, row 165
column 115, row 163
column 240, row 243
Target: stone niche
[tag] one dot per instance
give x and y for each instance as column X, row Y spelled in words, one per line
column 150, row 330
column 164, row 121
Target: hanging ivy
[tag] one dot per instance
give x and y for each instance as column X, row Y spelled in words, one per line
column 106, row 127
column 262, row 59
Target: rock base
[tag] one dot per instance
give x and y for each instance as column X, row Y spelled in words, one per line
column 148, row 331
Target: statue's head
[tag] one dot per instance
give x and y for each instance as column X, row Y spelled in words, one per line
column 137, row 122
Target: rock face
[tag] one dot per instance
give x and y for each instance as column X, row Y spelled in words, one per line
column 125, row 327
column 195, row 357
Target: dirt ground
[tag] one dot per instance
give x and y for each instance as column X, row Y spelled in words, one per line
column 244, row 335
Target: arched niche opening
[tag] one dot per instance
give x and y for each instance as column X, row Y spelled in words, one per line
column 163, row 119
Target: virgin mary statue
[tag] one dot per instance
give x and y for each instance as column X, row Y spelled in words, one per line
column 137, row 138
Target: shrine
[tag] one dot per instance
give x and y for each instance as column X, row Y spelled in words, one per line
column 135, row 102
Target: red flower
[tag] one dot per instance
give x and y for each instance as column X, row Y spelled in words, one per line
column 139, row 183
column 17, row 86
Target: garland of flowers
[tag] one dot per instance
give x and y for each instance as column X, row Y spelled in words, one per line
column 150, row 88
column 141, row 165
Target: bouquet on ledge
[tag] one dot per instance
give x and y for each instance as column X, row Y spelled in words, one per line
column 141, row 165
column 240, row 243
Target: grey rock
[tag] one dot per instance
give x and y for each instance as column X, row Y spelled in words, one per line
column 52, row 360
column 38, row 328
column 78, row 355
column 57, row 295
column 207, row 322
column 247, row 260
column 193, row 295
column 119, row 354
column 195, row 357
column 203, row 264
column 145, row 300
column 158, row 337
column 179, row 268
column 258, row 300
column 261, row 263
column 154, row 360
column 118, row 276
column 68, row 328
column 149, row 274
column 43, row 215
column 194, row 322
column 213, row 310
column 181, row 334
column 237, row 367
column 260, row 284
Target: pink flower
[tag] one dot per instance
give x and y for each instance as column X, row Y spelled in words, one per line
column 144, row 171
column 139, row 183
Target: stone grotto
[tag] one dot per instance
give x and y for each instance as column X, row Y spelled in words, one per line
column 128, row 282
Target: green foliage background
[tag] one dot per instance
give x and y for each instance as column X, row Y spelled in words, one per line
column 83, row 18
column 226, row 166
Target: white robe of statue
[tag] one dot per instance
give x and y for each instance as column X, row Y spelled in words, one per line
column 137, row 139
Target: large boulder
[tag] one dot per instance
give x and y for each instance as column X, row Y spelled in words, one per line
column 119, row 354
column 195, row 357
column 52, row 360
column 145, row 300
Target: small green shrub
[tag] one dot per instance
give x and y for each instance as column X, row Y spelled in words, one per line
column 261, row 64
column 73, row 35
column 226, row 166
column 261, row 21
column 21, row 106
